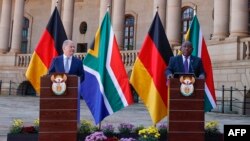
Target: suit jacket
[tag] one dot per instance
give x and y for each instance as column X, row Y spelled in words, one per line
column 76, row 67
column 176, row 66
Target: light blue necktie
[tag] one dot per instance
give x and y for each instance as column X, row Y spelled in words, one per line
column 67, row 67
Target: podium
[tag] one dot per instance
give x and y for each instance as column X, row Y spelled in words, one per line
column 186, row 113
column 58, row 113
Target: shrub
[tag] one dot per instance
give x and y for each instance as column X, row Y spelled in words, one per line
column 86, row 127
column 211, row 128
column 108, row 129
column 138, row 128
column 36, row 124
column 28, row 129
column 16, row 127
column 162, row 128
column 149, row 134
column 125, row 128
column 96, row 136
column 112, row 139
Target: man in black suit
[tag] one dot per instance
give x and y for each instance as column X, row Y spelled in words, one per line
column 185, row 63
column 67, row 63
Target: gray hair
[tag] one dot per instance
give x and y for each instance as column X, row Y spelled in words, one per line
column 67, row 42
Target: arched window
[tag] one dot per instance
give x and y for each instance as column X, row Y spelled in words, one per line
column 187, row 16
column 129, row 32
column 24, row 44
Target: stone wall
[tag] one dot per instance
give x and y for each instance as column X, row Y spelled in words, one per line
column 14, row 74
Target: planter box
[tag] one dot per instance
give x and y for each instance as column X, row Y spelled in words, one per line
column 22, row 137
column 34, row 137
column 81, row 137
column 217, row 137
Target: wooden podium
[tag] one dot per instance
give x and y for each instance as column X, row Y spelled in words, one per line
column 58, row 113
column 186, row 113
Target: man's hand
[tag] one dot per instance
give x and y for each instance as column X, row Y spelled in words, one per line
column 202, row 76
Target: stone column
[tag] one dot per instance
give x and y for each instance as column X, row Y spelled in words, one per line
column 161, row 4
column 5, row 25
column 174, row 21
column 57, row 3
column 239, row 18
column 221, row 19
column 17, row 26
column 118, row 21
column 103, row 8
column 68, row 17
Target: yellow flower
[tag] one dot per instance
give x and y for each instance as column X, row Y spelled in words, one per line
column 212, row 124
column 86, row 127
column 149, row 134
column 36, row 122
column 211, row 127
column 17, row 125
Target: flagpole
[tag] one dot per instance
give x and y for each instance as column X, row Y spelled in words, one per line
column 108, row 8
column 100, row 125
column 195, row 10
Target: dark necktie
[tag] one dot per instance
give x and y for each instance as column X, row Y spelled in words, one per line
column 67, row 67
column 186, row 65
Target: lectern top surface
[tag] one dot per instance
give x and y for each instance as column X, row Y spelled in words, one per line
column 178, row 74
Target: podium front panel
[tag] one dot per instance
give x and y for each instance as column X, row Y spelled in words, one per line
column 186, row 136
column 58, row 113
column 186, row 113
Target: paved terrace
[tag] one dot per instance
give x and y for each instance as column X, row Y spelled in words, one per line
column 27, row 109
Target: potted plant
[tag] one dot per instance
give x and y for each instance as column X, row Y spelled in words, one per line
column 99, row 136
column 149, row 134
column 96, row 136
column 126, row 130
column 86, row 128
column 20, row 133
column 108, row 130
column 163, row 130
column 212, row 132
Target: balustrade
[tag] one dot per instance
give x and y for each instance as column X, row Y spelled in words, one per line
column 128, row 58
column 244, row 49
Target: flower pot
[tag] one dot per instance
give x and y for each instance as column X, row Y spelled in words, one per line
column 163, row 137
column 34, row 137
column 127, row 135
column 22, row 137
column 215, row 137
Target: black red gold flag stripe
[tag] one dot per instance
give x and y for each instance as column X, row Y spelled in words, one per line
column 49, row 46
column 148, row 77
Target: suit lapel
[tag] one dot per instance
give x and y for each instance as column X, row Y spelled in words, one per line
column 71, row 66
column 191, row 64
column 61, row 63
column 181, row 64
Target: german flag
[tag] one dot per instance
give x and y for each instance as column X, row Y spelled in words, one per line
column 148, row 74
column 49, row 46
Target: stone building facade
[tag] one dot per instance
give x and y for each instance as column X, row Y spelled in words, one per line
column 225, row 25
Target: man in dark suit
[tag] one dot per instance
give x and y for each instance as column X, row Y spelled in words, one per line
column 185, row 63
column 67, row 63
